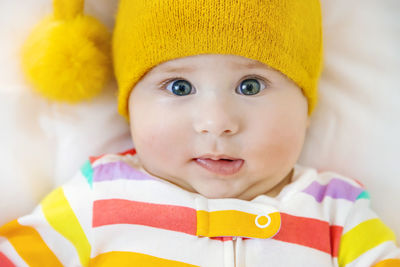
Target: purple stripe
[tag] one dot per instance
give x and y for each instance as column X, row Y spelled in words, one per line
column 336, row 188
column 118, row 170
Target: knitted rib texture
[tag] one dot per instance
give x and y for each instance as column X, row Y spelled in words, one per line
column 285, row 35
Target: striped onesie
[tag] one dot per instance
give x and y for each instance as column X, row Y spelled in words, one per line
column 114, row 213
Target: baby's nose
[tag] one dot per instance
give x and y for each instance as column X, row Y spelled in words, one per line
column 217, row 118
column 210, row 127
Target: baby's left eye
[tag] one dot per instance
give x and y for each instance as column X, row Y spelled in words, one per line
column 179, row 87
column 250, row 87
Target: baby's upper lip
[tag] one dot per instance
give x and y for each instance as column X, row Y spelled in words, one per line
column 216, row 157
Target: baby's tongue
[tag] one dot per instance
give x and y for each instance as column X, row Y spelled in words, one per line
column 221, row 166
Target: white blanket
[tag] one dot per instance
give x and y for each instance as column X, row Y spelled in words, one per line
column 355, row 129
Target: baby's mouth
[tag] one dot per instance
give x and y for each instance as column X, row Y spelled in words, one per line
column 222, row 166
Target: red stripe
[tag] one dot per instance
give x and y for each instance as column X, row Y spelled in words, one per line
column 309, row 232
column 92, row 159
column 131, row 151
column 226, row 238
column 222, row 238
column 5, row 262
column 302, row 231
column 120, row 211
column 359, row 183
column 336, row 234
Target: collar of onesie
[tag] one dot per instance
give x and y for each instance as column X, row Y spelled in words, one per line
column 226, row 217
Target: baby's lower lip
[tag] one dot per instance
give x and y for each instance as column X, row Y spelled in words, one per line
column 223, row 167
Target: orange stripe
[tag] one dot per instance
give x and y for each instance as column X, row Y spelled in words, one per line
column 121, row 211
column 122, row 259
column 309, row 232
column 29, row 244
column 4, row 261
column 388, row 263
column 237, row 223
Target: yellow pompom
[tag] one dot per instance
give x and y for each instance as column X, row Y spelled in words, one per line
column 68, row 60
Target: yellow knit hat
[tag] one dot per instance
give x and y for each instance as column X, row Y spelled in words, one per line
column 284, row 34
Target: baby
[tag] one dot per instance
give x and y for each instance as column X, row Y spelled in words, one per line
column 218, row 95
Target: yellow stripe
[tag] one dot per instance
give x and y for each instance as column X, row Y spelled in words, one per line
column 361, row 238
column 388, row 263
column 236, row 223
column 29, row 244
column 121, row 259
column 61, row 217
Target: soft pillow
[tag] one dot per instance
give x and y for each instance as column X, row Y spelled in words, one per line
column 356, row 128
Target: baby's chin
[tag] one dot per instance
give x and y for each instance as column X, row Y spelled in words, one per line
column 211, row 187
column 217, row 195
column 217, row 190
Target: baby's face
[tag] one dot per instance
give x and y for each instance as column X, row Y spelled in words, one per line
column 187, row 113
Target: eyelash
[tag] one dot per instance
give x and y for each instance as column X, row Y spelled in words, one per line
column 266, row 83
column 163, row 84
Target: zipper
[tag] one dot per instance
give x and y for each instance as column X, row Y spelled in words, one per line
column 234, row 250
column 237, row 243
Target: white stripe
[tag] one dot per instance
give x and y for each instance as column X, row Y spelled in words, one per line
column 325, row 178
column 7, row 249
column 356, row 217
column 229, row 256
column 270, row 252
column 144, row 191
column 160, row 243
column 79, row 196
column 203, row 203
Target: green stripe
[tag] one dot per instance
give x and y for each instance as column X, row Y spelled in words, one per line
column 364, row 194
column 87, row 171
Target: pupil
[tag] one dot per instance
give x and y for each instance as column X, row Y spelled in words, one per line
column 250, row 87
column 181, row 87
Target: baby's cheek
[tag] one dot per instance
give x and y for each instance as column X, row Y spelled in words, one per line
column 158, row 137
column 276, row 146
column 147, row 139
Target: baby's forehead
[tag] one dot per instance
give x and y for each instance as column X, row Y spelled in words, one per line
column 196, row 62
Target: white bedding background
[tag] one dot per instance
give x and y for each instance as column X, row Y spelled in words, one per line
column 355, row 129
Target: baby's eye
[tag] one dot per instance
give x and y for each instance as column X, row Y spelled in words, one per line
column 179, row 87
column 249, row 87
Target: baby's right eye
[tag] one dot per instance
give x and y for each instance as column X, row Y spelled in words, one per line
column 179, row 87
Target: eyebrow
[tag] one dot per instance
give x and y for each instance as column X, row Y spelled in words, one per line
column 252, row 65
column 172, row 69
column 249, row 65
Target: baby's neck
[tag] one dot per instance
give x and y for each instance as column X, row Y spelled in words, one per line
column 273, row 192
